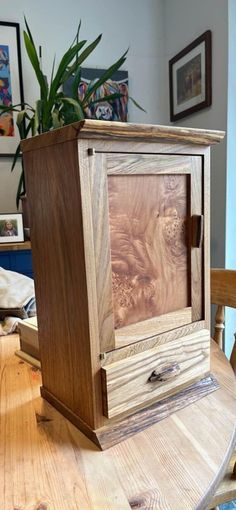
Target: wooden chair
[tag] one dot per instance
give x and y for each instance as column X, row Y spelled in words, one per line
column 223, row 293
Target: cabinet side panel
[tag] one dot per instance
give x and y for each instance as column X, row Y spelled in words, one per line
column 53, row 190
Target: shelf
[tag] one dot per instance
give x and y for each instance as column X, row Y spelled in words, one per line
column 15, row 246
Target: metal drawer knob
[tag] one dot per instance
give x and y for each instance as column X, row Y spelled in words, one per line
column 166, row 373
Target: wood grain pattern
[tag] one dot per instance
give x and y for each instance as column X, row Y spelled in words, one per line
column 102, row 252
column 126, row 383
column 142, row 164
column 223, row 287
column 206, row 235
column 152, row 327
column 120, row 130
column 49, row 462
column 54, row 194
column 227, row 488
column 148, row 245
column 148, row 343
column 197, row 281
column 123, row 428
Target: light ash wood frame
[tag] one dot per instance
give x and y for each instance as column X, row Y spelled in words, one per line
column 94, row 172
column 56, row 178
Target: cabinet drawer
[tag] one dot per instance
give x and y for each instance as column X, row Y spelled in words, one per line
column 158, row 372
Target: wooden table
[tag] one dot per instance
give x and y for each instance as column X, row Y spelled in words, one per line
column 46, row 463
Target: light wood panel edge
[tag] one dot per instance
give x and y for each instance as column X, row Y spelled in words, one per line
column 150, row 327
column 121, row 130
column 149, row 343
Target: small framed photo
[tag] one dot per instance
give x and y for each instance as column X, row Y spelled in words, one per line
column 11, row 87
column 190, row 78
column 11, row 228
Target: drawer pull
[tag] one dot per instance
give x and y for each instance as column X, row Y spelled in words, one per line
column 197, row 230
column 166, row 373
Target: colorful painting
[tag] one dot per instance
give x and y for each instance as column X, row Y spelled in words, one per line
column 113, row 110
column 11, row 89
column 6, row 120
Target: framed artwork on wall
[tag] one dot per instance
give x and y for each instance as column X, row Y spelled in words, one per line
column 116, row 109
column 11, row 228
column 11, row 87
column 190, row 78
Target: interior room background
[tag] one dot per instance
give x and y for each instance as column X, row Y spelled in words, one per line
column 154, row 31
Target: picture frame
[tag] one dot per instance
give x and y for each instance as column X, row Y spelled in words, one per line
column 113, row 110
column 190, row 78
column 11, row 228
column 11, row 85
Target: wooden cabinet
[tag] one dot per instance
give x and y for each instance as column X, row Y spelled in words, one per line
column 120, row 243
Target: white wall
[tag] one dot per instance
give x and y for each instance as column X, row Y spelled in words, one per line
column 185, row 20
column 135, row 24
column 230, row 323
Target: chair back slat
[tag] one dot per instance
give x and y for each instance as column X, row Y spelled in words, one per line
column 223, row 293
column 223, row 287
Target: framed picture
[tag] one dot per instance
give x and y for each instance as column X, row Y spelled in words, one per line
column 104, row 110
column 11, row 228
column 11, row 88
column 190, row 78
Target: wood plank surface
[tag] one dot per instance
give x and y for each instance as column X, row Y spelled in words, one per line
column 121, row 130
column 47, row 464
column 127, row 383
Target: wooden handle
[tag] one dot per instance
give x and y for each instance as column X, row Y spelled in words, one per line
column 165, row 373
column 197, row 230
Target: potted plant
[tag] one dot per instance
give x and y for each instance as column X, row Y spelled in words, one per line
column 54, row 109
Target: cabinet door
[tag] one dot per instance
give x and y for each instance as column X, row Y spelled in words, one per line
column 148, row 273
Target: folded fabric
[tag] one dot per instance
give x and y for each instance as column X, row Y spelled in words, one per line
column 9, row 325
column 16, row 290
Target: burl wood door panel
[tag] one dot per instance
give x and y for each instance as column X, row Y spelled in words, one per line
column 148, row 238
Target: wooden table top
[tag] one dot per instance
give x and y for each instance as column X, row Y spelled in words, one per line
column 47, row 464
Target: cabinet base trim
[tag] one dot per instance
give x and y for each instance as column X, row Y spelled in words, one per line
column 122, row 429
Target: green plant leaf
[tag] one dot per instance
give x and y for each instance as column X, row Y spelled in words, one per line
column 16, row 156
column 57, row 121
column 64, row 63
column 81, row 58
column 137, row 104
column 108, row 73
column 21, row 188
column 76, row 105
column 29, row 32
column 32, row 54
column 76, row 83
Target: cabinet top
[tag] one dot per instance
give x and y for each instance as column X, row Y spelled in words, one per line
column 123, row 131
